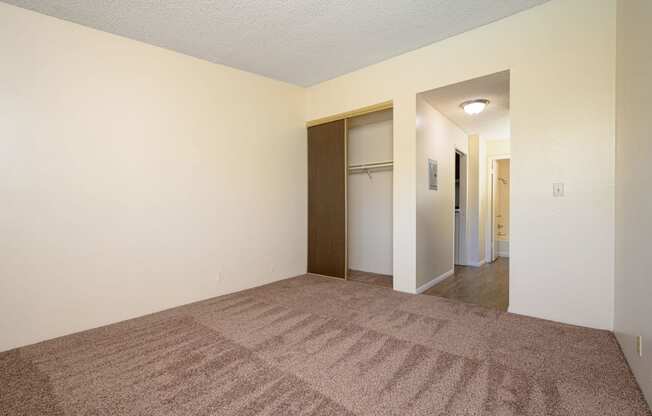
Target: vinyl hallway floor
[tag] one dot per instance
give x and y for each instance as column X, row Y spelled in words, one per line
column 487, row 285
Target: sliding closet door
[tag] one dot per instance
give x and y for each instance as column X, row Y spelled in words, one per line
column 327, row 199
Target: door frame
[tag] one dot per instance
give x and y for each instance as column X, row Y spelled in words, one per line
column 385, row 105
column 460, row 258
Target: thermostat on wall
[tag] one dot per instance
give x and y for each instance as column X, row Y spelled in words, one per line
column 432, row 174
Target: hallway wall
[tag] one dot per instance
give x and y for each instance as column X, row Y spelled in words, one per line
column 437, row 138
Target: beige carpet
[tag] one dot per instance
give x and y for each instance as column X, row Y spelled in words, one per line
column 377, row 279
column 317, row 346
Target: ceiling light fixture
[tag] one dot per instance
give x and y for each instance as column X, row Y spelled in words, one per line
column 474, row 107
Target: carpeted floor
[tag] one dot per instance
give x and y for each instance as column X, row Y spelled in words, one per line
column 370, row 278
column 317, row 346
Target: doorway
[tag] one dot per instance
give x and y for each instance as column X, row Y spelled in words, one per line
column 460, row 128
column 370, row 150
column 460, row 207
column 500, row 204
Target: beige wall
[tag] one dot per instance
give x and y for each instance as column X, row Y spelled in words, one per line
column 562, row 103
column 633, row 313
column 498, row 148
column 437, row 138
column 133, row 177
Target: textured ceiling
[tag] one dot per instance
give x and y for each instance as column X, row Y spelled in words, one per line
column 299, row 41
column 493, row 122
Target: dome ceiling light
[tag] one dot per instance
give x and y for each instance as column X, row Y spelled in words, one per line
column 474, row 107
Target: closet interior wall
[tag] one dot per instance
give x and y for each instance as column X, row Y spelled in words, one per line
column 369, row 193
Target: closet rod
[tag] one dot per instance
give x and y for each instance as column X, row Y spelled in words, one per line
column 363, row 166
column 369, row 168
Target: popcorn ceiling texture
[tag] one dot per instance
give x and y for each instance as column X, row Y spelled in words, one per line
column 302, row 42
column 318, row 346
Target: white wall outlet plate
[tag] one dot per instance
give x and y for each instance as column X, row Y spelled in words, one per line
column 558, row 189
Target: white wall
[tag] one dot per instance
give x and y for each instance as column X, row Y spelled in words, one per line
column 633, row 310
column 370, row 198
column 131, row 177
column 437, row 138
column 562, row 61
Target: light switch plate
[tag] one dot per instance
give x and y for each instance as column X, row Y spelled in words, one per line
column 639, row 345
column 558, row 189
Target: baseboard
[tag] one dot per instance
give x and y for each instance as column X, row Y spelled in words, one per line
column 479, row 263
column 502, row 248
column 434, row 281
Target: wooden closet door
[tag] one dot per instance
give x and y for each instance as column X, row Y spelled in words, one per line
column 327, row 176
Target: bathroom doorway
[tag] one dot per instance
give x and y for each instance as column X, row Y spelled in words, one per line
column 500, row 204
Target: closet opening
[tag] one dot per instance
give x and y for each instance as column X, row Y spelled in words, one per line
column 350, row 195
column 370, row 145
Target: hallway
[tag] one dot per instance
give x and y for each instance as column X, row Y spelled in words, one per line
column 487, row 285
